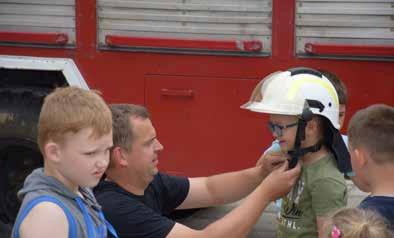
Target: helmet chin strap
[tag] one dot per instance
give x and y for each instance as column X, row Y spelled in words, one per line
column 298, row 152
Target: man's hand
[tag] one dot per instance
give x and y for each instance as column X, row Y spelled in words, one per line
column 272, row 160
column 281, row 180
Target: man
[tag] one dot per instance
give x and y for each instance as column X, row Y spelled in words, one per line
column 135, row 196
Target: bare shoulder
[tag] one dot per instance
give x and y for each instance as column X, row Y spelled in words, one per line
column 46, row 219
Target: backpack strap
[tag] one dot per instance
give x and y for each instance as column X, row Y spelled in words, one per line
column 72, row 225
column 91, row 229
column 88, row 220
column 109, row 226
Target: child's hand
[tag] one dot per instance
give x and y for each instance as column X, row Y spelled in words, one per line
column 281, row 180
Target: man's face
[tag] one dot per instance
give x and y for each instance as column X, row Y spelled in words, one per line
column 342, row 113
column 287, row 139
column 82, row 159
column 143, row 157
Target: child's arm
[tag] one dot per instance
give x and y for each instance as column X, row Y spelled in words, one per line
column 321, row 226
column 328, row 195
column 45, row 220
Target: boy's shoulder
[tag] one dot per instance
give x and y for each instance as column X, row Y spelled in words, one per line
column 37, row 211
column 37, row 220
column 384, row 205
column 378, row 201
column 39, row 184
column 324, row 169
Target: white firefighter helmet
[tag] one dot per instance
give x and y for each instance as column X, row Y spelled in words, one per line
column 292, row 91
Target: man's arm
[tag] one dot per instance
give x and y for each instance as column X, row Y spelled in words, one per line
column 222, row 188
column 45, row 220
column 228, row 187
column 239, row 221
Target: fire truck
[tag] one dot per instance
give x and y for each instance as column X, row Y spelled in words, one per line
column 192, row 63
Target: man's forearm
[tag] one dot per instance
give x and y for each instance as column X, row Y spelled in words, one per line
column 232, row 186
column 240, row 221
column 235, row 224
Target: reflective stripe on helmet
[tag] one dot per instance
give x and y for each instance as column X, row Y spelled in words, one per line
column 310, row 79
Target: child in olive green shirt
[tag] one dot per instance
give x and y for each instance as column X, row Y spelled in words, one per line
column 320, row 190
column 303, row 110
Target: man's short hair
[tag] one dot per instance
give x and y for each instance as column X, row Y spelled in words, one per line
column 338, row 84
column 123, row 134
column 372, row 128
column 72, row 109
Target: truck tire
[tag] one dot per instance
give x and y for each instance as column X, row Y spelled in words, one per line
column 19, row 153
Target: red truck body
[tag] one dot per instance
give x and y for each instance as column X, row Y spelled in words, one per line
column 194, row 98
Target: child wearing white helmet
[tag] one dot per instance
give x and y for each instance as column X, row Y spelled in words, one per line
column 303, row 113
column 274, row 150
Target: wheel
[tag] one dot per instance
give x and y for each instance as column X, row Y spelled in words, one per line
column 19, row 153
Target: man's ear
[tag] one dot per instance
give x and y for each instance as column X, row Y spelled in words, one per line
column 118, row 154
column 52, row 152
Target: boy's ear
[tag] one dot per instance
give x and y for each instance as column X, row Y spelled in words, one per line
column 360, row 157
column 312, row 126
column 119, row 156
column 52, row 151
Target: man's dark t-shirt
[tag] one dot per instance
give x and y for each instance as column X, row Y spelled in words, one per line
column 143, row 216
column 383, row 205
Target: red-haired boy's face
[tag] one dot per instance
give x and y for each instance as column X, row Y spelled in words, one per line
column 81, row 160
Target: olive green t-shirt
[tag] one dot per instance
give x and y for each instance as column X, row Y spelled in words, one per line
column 320, row 191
